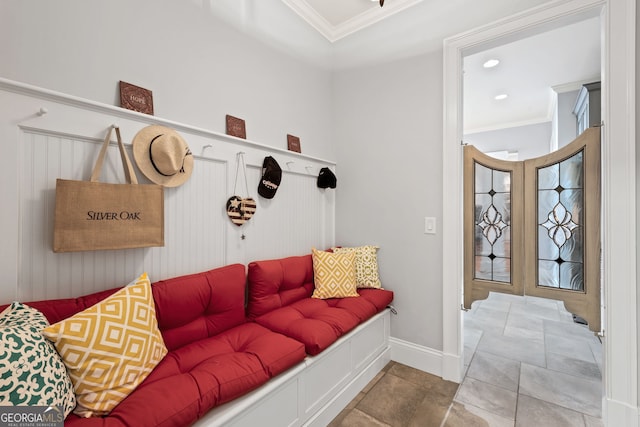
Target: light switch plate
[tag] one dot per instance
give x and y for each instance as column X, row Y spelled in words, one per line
column 429, row 225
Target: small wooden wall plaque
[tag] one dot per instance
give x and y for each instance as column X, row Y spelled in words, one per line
column 236, row 127
column 293, row 143
column 136, row 98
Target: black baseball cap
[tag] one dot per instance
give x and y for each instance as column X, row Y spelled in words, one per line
column 271, row 178
column 326, row 179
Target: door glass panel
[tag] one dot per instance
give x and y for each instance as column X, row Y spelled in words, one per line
column 560, row 224
column 548, row 274
column 492, row 248
column 546, row 248
column 483, row 268
column 548, row 178
column 501, row 181
column 572, row 249
column 483, row 247
column 571, row 276
column 502, row 270
column 483, row 179
column 571, row 175
column 501, row 249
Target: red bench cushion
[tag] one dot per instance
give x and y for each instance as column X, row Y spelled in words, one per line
column 278, row 283
column 198, row 306
column 280, row 299
column 319, row 323
column 371, row 301
column 56, row 310
column 199, row 376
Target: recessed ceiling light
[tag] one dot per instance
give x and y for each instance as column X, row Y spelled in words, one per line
column 501, row 97
column 491, row 63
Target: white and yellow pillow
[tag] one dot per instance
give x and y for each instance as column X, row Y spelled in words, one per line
column 110, row 348
column 367, row 275
column 334, row 275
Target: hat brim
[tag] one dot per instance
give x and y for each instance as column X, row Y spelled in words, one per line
column 141, row 143
column 265, row 192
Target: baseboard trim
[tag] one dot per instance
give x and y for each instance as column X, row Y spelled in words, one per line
column 452, row 369
column 616, row 413
column 417, row 356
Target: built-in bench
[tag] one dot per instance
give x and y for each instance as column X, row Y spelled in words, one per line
column 212, row 360
column 316, row 390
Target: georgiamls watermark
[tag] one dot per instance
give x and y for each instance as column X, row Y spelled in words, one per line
column 31, row 416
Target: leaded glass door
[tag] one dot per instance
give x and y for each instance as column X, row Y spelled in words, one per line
column 540, row 234
column 493, row 224
column 563, row 260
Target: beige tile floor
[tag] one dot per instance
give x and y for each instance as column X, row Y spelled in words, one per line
column 526, row 364
column 399, row 396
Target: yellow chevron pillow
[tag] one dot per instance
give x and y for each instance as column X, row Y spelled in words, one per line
column 334, row 275
column 110, row 348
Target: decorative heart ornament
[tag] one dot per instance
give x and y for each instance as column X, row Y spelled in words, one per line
column 240, row 210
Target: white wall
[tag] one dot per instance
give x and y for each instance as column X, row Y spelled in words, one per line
column 199, row 69
column 197, row 66
column 528, row 141
column 637, row 118
column 388, row 126
column 384, row 126
column 567, row 123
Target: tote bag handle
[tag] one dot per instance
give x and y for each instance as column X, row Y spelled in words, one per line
column 129, row 174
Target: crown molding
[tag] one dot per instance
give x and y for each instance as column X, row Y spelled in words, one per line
column 334, row 33
column 573, row 86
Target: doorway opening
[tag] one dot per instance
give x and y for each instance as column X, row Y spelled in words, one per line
column 520, row 102
column 619, row 224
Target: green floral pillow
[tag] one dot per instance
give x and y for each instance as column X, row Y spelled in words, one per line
column 31, row 371
column 366, row 265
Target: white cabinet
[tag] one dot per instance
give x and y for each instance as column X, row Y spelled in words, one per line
column 587, row 108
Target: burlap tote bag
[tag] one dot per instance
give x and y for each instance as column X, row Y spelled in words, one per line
column 93, row 215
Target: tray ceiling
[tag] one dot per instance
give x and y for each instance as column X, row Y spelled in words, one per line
column 335, row 19
column 357, row 34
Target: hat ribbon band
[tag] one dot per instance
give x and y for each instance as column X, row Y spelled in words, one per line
column 188, row 153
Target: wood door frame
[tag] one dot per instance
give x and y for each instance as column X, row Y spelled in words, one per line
column 620, row 379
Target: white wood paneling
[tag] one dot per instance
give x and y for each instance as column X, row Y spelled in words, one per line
column 321, row 383
column 315, row 391
column 284, row 229
column 195, row 232
column 64, row 141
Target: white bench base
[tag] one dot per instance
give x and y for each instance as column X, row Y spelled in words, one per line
column 315, row 391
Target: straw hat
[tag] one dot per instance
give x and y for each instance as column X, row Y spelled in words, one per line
column 162, row 155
